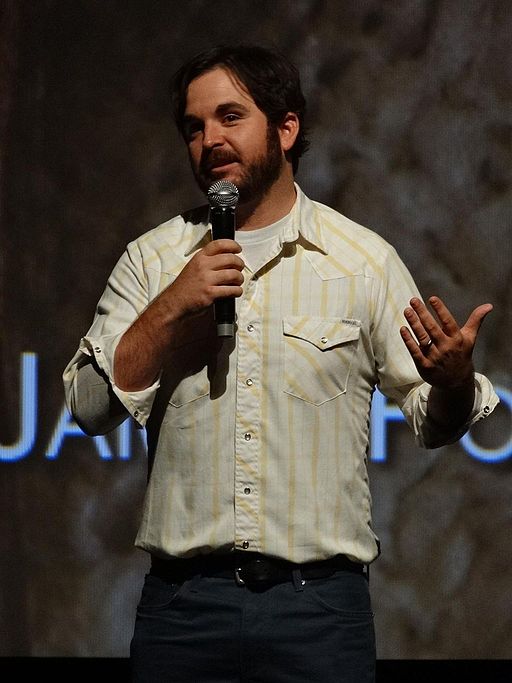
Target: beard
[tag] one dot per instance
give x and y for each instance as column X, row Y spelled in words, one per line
column 256, row 179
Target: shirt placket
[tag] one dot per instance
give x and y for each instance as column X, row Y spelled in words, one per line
column 248, row 420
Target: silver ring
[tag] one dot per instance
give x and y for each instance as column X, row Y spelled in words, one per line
column 426, row 347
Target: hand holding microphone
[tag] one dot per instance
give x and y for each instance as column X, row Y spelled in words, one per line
column 223, row 198
column 213, row 276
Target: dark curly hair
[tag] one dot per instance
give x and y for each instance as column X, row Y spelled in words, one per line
column 270, row 78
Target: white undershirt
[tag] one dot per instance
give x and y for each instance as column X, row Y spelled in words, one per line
column 256, row 243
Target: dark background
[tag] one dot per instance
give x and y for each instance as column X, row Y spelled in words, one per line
column 410, row 108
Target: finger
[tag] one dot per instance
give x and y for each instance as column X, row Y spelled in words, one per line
column 476, row 318
column 417, row 352
column 421, row 322
column 225, row 291
column 227, row 277
column 448, row 323
column 225, row 261
column 425, row 316
column 222, row 246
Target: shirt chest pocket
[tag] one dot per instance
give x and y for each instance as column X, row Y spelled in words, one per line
column 318, row 355
column 191, row 388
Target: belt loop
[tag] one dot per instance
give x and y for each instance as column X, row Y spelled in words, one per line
column 238, row 578
column 297, row 579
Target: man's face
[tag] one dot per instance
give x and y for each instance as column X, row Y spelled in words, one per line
column 229, row 137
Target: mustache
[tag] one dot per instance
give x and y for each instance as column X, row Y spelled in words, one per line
column 214, row 157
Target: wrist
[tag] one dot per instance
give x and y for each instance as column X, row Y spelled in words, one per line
column 461, row 384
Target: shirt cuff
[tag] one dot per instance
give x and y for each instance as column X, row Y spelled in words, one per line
column 431, row 435
column 137, row 403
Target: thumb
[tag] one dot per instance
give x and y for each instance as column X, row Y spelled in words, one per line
column 476, row 319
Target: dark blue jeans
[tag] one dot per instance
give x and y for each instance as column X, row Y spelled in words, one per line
column 211, row 629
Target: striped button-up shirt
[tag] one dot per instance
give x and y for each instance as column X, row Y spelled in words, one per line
column 260, row 442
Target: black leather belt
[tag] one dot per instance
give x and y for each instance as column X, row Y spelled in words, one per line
column 251, row 569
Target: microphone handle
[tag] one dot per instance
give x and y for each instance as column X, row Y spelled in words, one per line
column 223, row 227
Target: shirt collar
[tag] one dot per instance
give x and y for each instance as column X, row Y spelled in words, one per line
column 202, row 234
column 305, row 223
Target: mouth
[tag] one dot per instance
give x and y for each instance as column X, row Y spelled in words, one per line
column 219, row 164
column 221, row 167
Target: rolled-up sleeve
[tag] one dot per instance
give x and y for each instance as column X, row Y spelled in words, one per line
column 398, row 377
column 92, row 397
column 429, row 434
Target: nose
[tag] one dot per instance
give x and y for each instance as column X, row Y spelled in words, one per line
column 212, row 136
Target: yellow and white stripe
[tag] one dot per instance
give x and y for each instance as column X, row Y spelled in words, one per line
column 262, row 445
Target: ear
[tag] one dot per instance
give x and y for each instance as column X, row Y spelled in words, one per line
column 288, row 131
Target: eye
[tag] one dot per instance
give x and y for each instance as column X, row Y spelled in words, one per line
column 231, row 118
column 191, row 129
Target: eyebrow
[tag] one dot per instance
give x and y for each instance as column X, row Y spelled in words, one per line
column 228, row 106
column 221, row 109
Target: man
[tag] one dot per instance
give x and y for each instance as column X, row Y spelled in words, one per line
column 257, row 513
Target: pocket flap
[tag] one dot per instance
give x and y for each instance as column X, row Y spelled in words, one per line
column 324, row 333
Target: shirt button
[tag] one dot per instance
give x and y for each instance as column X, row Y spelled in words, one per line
column 136, row 413
column 250, row 328
column 247, row 436
column 97, row 349
column 249, row 382
column 247, row 490
column 486, row 409
column 324, row 340
column 245, row 545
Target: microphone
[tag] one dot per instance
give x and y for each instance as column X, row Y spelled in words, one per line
column 223, row 198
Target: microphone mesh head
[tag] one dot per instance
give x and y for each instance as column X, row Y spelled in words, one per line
column 223, row 193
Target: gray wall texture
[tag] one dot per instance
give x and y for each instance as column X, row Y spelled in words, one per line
column 410, row 109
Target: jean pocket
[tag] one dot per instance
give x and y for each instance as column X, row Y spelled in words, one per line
column 158, row 594
column 318, row 354
column 345, row 594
